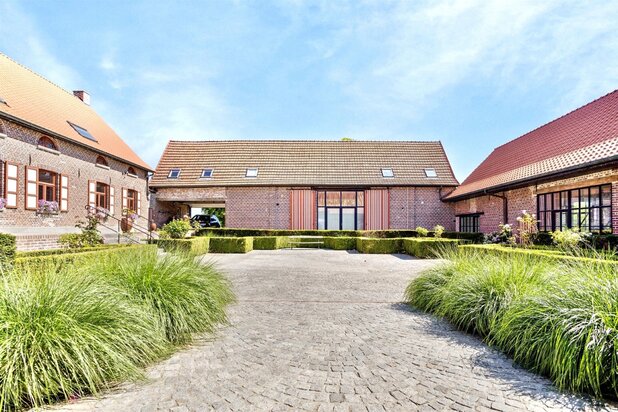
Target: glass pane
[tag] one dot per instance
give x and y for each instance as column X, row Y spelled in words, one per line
column 564, row 203
column 541, row 203
column 360, row 218
column 584, row 223
column 347, row 221
column 556, row 201
column 333, row 198
column 321, row 198
column 574, row 219
column 320, row 218
column 606, row 217
column 606, row 195
column 548, row 204
column 595, row 219
column 332, row 218
column 595, row 199
column 45, row 176
column 548, row 221
column 575, row 199
column 583, row 197
column 101, row 188
column 361, row 198
column 41, row 192
column 49, row 193
column 348, row 198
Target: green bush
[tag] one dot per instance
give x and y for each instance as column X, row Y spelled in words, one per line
column 193, row 246
column 176, row 229
column 270, row 242
column 428, row 247
column 438, row 230
column 7, row 248
column 422, row 232
column 378, row 246
column 231, row 244
column 543, row 254
column 48, row 252
column 340, row 243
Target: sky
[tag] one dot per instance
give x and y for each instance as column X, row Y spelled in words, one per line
column 473, row 74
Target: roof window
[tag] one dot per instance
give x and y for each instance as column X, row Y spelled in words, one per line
column 431, row 173
column 252, row 172
column 174, row 174
column 82, row 132
column 207, row 173
column 388, row 172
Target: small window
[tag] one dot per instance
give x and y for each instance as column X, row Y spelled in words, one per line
column 47, row 143
column 101, row 161
column 431, row 173
column 82, row 132
column 207, row 173
column 469, row 224
column 174, row 174
column 131, row 171
column 251, row 172
column 387, row 173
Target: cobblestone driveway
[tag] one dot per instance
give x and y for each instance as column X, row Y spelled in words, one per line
column 324, row 330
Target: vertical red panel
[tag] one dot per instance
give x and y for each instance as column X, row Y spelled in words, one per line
column 377, row 209
column 302, row 213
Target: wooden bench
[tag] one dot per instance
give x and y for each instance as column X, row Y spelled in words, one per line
column 298, row 241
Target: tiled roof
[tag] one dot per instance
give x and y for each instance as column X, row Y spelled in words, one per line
column 37, row 101
column 586, row 135
column 299, row 162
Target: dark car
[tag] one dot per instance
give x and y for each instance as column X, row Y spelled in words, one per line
column 206, row 220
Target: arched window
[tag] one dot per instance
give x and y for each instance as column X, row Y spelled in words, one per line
column 131, row 171
column 101, row 161
column 48, row 143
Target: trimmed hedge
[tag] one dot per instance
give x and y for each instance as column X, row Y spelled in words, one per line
column 48, row 252
column 378, row 246
column 231, row 244
column 340, row 243
column 8, row 248
column 270, row 242
column 498, row 250
column 428, row 247
column 194, row 246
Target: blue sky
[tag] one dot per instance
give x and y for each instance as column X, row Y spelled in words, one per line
column 473, row 74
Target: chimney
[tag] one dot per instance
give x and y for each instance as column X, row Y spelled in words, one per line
column 82, row 95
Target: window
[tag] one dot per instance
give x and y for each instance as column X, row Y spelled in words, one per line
column 387, row 173
column 431, row 173
column 341, row 210
column 47, row 143
column 132, row 199
column 131, row 171
column 101, row 161
column 174, row 174
column 251, row 172
column 469, row 223
column 47, row 186
column 586, row 209
column 102, row 195
column 82, row 132
column 207, row 173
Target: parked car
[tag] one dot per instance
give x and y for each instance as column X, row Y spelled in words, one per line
column 206, row 220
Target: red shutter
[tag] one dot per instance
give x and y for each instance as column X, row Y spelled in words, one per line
column 64, row 193
column 302, row 209
column 377, row 209
column 10, row 185
column 31, row 188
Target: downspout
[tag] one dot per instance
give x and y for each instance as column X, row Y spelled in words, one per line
column 505, row 206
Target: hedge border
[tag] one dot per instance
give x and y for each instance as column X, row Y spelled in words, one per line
column 231, row 244
column 8, row 248
column 424, row 248
column 194, row 246
column 499, row 250
column 270, row 242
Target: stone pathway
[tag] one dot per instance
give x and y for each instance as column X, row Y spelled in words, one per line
column 322, row 330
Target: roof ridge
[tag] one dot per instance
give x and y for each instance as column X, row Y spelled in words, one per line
column 303, row 141
column 556, row 119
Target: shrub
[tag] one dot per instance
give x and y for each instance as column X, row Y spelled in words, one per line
column 552, row 254
column 89, row 236
column 567, row 240
column 422, row 232
column 194, row 246
column 270, row 242
column 340, row 243
column 438, row 230
column 7, row 248
column 378, row 246
column 48, row 252
column 66, row 333
column 231, row 244
column 177, row 228
column 425, row 292
column 428, row 248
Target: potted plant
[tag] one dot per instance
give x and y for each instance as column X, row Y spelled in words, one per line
column 2, row 204
column 128, row 218
column 45, row 207
column 101, row 214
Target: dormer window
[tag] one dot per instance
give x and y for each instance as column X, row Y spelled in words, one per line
column 174, row 174
column 387, row 172
column 207, row 173
column 252, row 172
column 131, row 172
column 82, row 132
column 102, row 162
column 431, row 173
column 47, row 143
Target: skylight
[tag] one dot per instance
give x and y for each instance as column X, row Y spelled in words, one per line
column 82, row 132
column 253, row 172
column 387, row 172
column 174, row 174
column 431, row 173
column 207, row 173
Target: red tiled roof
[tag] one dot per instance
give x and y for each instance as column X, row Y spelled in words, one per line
column 37, row 101
column 588, row 134
column 302, row 163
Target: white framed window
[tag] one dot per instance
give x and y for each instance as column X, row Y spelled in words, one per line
column 251, row 172
column 174, row 174
column 387, row 172
column 431, row 173
column 207, row 173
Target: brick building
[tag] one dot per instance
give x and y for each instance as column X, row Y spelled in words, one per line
column 565, row 171
column 307, row 184
column 56, row 157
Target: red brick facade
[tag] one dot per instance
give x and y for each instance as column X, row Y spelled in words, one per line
column 74, row 161
column 411, row 207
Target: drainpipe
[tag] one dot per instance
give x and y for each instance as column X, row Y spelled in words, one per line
column 505, row 206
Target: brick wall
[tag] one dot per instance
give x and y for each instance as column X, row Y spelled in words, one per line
column 258, row 207
column 37, row 242
column 419, row 206
column 74, row 161
column 170, row 203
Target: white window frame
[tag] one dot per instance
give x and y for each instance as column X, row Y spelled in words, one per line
column 169, row 175
column 387, row 172
column 212, row 172
column 252, row 172
column 431, row 173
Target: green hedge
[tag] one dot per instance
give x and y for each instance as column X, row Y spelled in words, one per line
column 270, row 242
column 48, row 252
column 498, row 250
column 194, row 246
column 231, row 244
column 428, row 247
column 378, row 246
column 7, row 248
column 77, row 257
column 340, row 243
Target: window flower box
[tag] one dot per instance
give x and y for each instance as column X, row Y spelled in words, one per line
column 100, row 213
column 45, row 207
